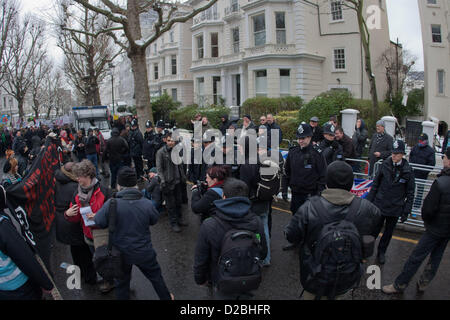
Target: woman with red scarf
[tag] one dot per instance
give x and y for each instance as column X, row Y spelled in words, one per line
column 66, row 145
column 202, row 201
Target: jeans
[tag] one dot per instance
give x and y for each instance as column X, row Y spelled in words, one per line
column 391, row 222
column 93, row 158
column 114, row 167
column 151, row 270
column 428, row 244
column 82, row 257
column 264, row 216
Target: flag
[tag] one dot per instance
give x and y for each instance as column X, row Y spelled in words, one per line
column 31, row 201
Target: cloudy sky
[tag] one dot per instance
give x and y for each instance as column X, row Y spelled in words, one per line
column 403, row 15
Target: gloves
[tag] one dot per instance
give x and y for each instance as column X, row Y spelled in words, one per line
column 404, row 217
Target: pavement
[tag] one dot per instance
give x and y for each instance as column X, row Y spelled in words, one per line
column 280, row 280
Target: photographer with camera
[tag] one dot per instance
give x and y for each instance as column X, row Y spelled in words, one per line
column 205, row 193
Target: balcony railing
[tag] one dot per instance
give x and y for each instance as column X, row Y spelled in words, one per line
column 270, row 49
column 234, row 8
column 206, row 16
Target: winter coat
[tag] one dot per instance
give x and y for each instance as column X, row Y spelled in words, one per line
column 170, row 173
column 136, row 141
column 91, row 144
column 436, row 206
column 274, row 126
column 18, row 145
column 80, row 151
column 305, row 170
column 359, row 139
column 116, row 148
column 134, row 216
column 384, row 146
column 65, row 189
column 203, row 204
column 330, row 150
column 347, row 147
column 235, row 212
column 305, row 226
column 424, row 155
column 153, row 188
column 99, row 197
column 148, row 149
column 393, row 189
column 317, row 134
column 224, row 125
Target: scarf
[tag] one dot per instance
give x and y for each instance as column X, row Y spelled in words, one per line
column 380, row 137
column 85, row 194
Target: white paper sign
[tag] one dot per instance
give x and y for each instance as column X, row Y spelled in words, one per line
column 84, row 212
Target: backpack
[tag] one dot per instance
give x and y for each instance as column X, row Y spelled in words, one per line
column 239, row 265
column 336, row 262
column 269, row 185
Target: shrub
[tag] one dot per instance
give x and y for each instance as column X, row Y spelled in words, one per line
column 183, row 116
column 162, row 106
column 365, row 112
column 256, row 107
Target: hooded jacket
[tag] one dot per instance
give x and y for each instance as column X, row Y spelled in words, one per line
column 436, row 206
column 236, row 213
column 359, row 139
column 305, row 226
column 424, row 155
column 116, row 147
column 225, row 125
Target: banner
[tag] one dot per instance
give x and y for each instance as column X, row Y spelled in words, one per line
column 31, row 201
column 361, row 188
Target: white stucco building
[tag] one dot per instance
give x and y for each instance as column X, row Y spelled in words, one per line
column 435, row 19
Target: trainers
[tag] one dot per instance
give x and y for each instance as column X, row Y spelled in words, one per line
column 176, row 228
column 106, row 286
column 390, row 289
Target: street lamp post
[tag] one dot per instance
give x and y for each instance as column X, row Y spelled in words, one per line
column 111, row 67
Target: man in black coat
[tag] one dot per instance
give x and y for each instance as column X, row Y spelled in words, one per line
column 317, row 130
column 307, row 222
column 346, row 143
column 380, row 146
column 225, row 124
column 393, row 192
column 136, row 141
column 233, row 210
column 436, row 215
column 69, row 233
column 272, row 125
column 360, row 137
column 329, row 148
column 148, row 151
column 116, row 150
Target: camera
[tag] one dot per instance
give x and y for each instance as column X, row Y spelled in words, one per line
column 202, row 186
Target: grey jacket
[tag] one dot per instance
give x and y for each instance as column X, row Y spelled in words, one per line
column 384, row 146
column 170, row 173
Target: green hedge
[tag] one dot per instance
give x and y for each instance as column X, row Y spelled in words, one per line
column 256, row 107
column 183, row 116
column 365, row 112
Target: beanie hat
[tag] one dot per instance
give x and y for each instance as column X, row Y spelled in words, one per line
column 248, row 116
column 381, row 123
column 154, row 170
column 126, row 177
column 339, row 176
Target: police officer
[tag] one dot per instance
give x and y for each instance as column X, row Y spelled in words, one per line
column 393, row 193
column 136, row 141
column 330, row 148
column 148, row 148
column 158, row 142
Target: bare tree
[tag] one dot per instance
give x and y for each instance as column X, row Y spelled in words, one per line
column 38, row 94
column 52, row 83
column 87, row 53
column 24, row 50
column 8, row 16
column 127, row 33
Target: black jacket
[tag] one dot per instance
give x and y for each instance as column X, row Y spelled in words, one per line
column 13, row 245
column 234, row 212
column 436, row 206
column 446, row 143
column 359, row 139
column 153, row 188
column 305, row 225
column 305, row 170
column 135, row 214
column 384, row 146
column 317, row 134
column 424, row 155
column 65, row 189
column 148, row 148
column 330, row 150
column 136, row 141
column 274, row 126
column 19, row 145
column 91, row 142
column 80, row 147
column 203, row 204
column 224, row 125
column 347, row 147
column 393, row 189
column 116, row 147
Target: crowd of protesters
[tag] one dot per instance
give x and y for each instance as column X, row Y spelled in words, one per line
column 144, row 183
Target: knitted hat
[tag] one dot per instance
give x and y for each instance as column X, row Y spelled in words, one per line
column 381, row 123
column 339, row 176
column 126, row 177
column 154, row 170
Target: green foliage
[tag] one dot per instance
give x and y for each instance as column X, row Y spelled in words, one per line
column 365, row 112
column 183, row 116
column 325, row 105
column 132, row 110
column 121, row 109
column 413, row 107
column 163, row 106
column 256, row 107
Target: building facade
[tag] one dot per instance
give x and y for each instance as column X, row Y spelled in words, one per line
column 243, row 49
column 435, row 19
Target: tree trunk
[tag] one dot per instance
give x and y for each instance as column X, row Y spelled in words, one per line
column 20, row 107
column 141, row 89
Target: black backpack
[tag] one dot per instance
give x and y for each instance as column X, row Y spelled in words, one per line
column 239, row 265
column 269, row 185
column 337, row 254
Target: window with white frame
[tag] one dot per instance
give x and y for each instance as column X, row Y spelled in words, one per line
column 235, row 35
column 259, row 29
column 155, row 71
column 199, row 47
column 214, row 44
column 336, row 11
column 285, row 82
column 261, row 83
column 339, row 59
column 436, row 33
column 281, row 27
column 173, row 60
column 441, row 84
column 174, row 94
column 431, row 2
